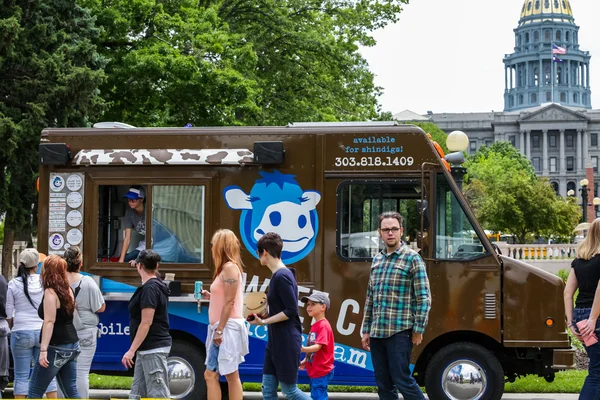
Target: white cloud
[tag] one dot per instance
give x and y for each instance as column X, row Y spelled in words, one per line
column 446, row 56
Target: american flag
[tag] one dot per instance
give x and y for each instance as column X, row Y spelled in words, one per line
column 558, row 50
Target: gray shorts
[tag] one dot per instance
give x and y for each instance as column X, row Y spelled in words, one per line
column 150, row 377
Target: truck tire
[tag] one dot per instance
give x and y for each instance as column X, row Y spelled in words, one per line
column 186, row 371
column 464, row 371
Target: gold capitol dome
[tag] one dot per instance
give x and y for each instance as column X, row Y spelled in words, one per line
column 555, row 10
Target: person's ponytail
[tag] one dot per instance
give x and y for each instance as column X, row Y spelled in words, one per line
column 23, row 273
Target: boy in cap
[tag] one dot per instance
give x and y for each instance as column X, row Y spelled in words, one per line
column 135, row 218
column 319, row 346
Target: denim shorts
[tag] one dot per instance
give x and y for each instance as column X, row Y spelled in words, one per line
column 212, row 362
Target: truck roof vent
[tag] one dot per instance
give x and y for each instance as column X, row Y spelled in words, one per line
column 112, row 125
column 340, row 124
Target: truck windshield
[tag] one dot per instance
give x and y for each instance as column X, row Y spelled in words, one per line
column 359, row 207
column 455, row 236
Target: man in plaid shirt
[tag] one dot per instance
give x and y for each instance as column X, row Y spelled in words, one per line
column 396, row 310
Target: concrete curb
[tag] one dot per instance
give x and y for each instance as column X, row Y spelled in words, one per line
column 124, row 394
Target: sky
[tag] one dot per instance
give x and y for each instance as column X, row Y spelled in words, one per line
column 446, row 56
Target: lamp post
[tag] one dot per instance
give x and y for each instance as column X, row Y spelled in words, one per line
column 584, row 197
column 457, row 142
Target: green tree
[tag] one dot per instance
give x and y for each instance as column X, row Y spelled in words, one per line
column 224, row 62
column 507, row 197
column 437, row 134
column 49, row 76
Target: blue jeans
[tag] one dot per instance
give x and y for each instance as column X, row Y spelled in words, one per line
column 63, row 366
column 318, row 387
column 212, row 363
column 391, row 364
column 25, row 347
column 131, row 256
column 291, row 391
column 591, row 386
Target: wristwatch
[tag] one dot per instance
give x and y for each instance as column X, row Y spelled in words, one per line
column 218, row 332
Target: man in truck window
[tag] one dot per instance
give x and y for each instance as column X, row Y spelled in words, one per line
column 394, row 320
column 135, row 218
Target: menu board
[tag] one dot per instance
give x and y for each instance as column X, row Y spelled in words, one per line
column 65, row 212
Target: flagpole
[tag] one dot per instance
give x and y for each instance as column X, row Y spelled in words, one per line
column 552, row 76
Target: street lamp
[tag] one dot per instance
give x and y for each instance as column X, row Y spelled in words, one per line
column 457, row 142
column 596, row 203
column 584, row 197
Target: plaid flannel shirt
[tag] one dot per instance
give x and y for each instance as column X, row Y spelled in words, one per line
column 398, row 296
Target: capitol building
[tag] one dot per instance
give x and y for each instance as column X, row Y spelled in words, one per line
column 547, row 113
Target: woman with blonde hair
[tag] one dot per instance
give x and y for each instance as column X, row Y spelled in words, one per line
column 585, row 276
column 59, row 345
column 227, row 338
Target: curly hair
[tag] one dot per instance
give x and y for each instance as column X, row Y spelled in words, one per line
column 54, row 276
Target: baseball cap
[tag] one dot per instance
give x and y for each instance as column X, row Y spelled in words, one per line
column 29, row 257
column 317, row 297
column 135, row 192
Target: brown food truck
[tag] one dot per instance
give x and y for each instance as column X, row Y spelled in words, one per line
column 321, row 187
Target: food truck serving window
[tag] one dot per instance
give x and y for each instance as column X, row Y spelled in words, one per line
column 360, row 204
column 455, row 236
column 176, row 213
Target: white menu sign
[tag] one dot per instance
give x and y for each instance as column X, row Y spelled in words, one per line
column 65, row 211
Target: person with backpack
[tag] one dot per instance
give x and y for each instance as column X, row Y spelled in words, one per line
column 89, row 302
column 23, row 298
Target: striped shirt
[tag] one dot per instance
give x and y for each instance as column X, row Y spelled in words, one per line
column 398, row 296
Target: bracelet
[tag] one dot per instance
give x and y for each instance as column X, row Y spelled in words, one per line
column 43, row 351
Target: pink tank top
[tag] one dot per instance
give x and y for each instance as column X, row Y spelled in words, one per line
column 217, row 300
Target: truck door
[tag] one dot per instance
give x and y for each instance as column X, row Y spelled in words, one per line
column 464, row 273
column 351, row 211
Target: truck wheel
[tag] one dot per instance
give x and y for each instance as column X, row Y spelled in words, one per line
column 186, row 371
column 464, row 371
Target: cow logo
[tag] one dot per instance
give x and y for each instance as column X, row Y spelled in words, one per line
column 56, row 241
column 277, row 203
column 57, row 183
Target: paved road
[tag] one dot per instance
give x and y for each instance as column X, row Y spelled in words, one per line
column 123, row 394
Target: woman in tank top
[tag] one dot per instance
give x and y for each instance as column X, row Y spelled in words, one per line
column 59, row 345
column 585, row 275
column 227, row 339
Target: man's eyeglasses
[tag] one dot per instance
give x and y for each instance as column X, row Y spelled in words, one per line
column 388, row 230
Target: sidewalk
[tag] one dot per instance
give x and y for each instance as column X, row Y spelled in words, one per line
column 123, row 394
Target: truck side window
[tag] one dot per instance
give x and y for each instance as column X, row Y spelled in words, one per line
column 178, row 223
column 455, row 236
column 358, row 215
column 177, row 215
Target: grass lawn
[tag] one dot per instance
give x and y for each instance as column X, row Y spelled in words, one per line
column 565, row 382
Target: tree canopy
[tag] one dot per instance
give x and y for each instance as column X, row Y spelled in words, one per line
column 245, row 62
column 437, row 134
column 49, row 77
column 508, row 197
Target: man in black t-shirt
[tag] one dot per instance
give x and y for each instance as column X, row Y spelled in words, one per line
column 149, row 331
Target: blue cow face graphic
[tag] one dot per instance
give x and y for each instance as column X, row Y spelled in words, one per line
column 276, row 203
